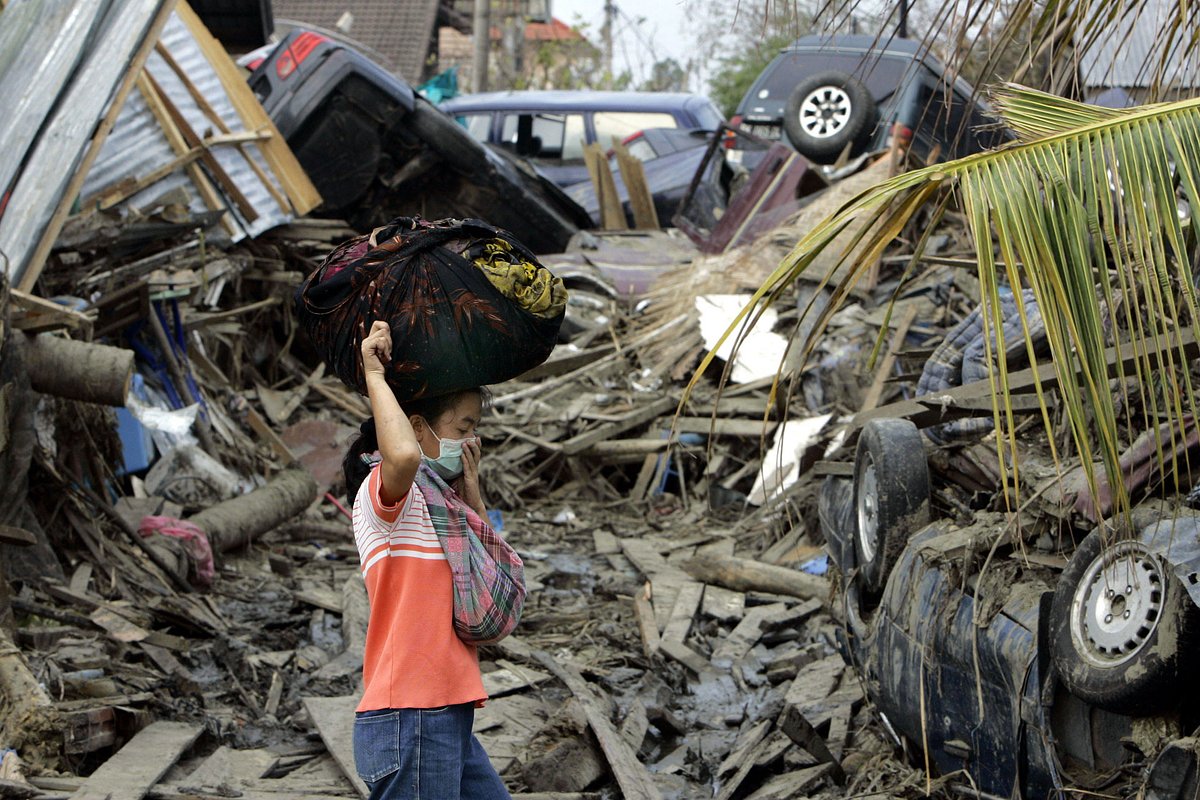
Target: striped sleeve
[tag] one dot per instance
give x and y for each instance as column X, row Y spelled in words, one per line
column 385, row 516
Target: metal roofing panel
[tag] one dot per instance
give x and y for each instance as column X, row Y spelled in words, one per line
column 40, row 45
column 137, row 144
column 1127, row 52
column 50, row 163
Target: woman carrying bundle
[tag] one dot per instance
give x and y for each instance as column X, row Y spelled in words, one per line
column 413, row 477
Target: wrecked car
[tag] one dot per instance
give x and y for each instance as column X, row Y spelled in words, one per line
column 376, row 150
column 824, row 95
column 551, row 128
column 1029, row 666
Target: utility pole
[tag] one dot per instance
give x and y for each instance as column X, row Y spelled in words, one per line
column 903, row 31
column 606, row 34
column 483, row 43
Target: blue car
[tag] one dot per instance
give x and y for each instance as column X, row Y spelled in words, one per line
column 1028, row 670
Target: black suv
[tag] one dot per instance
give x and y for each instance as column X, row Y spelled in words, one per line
column 825, row 94
column 376, row 150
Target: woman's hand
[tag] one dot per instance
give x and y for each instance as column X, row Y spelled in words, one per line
column 471, row 454
column 377, row 348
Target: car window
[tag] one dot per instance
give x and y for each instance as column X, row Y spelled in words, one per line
column 881, row 74
column 558, row 136
column 478, row 125
column 708, row 117
column 623, row 124
column 945, row 114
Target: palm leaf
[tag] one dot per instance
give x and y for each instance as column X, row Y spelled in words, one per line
column 1084, row 211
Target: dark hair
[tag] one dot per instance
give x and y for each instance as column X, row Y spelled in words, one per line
column 355, row 465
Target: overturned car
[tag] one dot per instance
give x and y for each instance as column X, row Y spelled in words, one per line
column 1029, row 667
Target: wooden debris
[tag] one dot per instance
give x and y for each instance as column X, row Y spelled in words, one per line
column 744, row 575
column 130, row 774
column 93, row 373
column 631, row 775
column 236, row 522
column 334, row 718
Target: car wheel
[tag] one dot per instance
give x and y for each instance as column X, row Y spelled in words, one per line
column 827, row 112
column 1122, row 627
column 891, row 496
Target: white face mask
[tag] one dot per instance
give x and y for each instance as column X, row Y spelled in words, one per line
column 448, row 464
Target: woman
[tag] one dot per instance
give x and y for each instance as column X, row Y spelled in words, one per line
column 421, row 683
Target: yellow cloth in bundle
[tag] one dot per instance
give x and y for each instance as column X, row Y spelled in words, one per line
column 532, row 287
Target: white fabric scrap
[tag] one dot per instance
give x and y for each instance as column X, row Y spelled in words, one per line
column 781, row 465
column 760, row 354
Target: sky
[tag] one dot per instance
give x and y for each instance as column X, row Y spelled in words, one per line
column 662, row 32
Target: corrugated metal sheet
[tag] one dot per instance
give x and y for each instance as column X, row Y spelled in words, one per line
column 137, row 144
column 40, row 45
column 79, row 105
column 1138, row 50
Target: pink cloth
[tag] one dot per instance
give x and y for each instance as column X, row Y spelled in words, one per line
column 195, row 544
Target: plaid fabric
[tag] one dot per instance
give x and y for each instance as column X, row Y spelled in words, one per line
column 489, row 579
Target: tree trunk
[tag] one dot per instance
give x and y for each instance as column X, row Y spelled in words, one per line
column 746, row 575
column 93, row 373
column 237, row 522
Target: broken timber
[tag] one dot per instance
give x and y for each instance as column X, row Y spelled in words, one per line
column 745, row 575
column 137, row 766
column 235, row 523
column 93, row 373
column 631, row 774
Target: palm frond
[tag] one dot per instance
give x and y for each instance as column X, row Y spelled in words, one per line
column 1085, row 212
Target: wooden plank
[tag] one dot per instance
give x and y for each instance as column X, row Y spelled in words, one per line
column 612, row 215
column 794, row 724
column 192, row 139
column 279, row 157
column 721, row 426
column 229, row 769
column 687, row 602
column 334, row 718
column 208, row 193
column 137, row 766
column 743, row 753
column 633, row 175
column 684, row 655
column 632, row 776
column 723, row 604
column 647, row 626
column 604, row 543
column 608, row 430
column 202, row 103
column 871, row 398
column 511, row 678
column 744, row 636
column 799, row 783
column 133, row 69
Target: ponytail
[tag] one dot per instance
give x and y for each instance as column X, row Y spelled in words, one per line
column 355, row 465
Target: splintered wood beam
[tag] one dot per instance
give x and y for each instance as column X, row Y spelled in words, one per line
column 632, row 776
column 634, row 418
column 137, row 766
column 633, row 175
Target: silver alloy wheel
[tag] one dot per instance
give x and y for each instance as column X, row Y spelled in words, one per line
column 825, row 112
column 1117, row 604
column 868, row 508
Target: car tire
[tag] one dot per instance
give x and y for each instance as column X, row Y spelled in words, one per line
column 891, row 496
column 447, row 138
column 827, row 112
column 1123, row 651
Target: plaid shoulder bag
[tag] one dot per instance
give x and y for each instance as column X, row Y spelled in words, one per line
column 489, row 578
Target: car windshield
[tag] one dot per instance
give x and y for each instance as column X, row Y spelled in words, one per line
column 881, row 74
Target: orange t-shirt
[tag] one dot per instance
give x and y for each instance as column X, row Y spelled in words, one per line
column 413, row 658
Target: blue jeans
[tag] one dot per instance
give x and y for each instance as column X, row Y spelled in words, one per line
column 424, row 754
